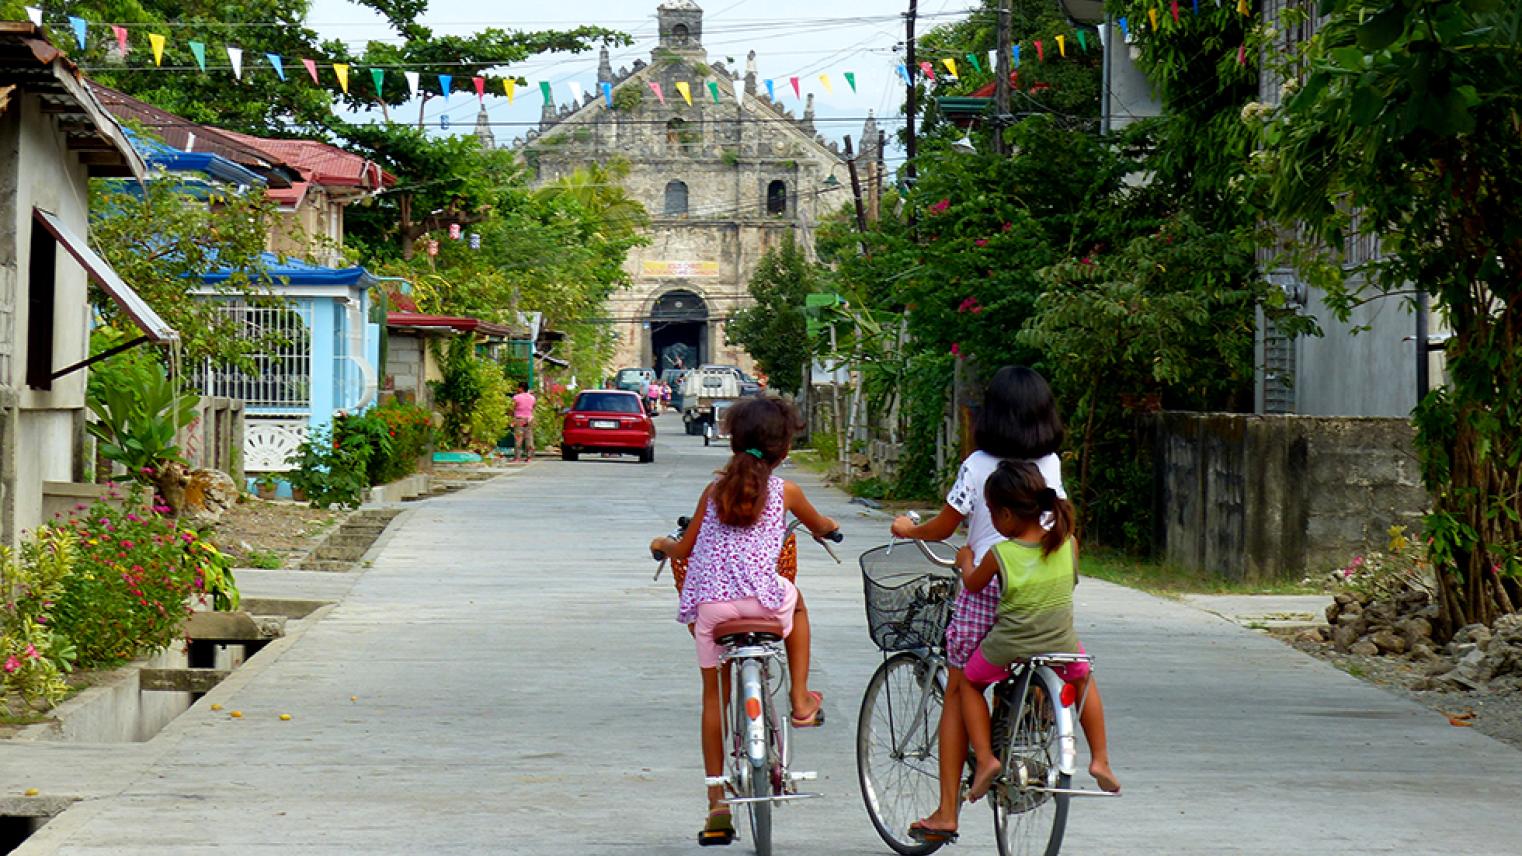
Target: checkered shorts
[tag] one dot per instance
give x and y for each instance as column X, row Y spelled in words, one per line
column 972, row 617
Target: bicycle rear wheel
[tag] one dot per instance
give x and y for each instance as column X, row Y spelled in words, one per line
column 1030, row 822
column 897, row 750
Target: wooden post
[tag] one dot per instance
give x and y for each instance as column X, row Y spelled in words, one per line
column 861, row 211
column 911, row 101
column 1001, row 77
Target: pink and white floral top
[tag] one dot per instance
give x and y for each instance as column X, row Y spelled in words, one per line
column 736, row 562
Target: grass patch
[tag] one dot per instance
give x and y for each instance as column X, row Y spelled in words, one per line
column 1171, row 581
column 264, row 560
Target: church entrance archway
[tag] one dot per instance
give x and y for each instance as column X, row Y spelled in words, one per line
column 678, row 331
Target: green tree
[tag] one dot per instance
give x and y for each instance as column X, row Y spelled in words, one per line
column 1405, row 131
column 775, row 330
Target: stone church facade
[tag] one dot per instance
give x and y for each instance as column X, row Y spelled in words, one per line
column 723, row 180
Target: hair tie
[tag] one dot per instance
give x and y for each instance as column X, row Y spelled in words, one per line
column 757, row 453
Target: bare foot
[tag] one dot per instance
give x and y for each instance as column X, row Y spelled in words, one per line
column 1102, row 774
column 983, row 779
column 935, row 826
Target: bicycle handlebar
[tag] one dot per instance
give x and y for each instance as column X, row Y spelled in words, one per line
column 683, row 522
column 924, row 546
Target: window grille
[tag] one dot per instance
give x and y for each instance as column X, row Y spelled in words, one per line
column 280, row 381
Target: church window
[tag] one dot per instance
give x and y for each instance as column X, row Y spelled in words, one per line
column 776, row 197
column 681, row 138
column 676, row 199
column 680, row 34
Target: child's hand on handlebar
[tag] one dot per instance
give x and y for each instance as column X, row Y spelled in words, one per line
column 903, row 526
column 964, row 560
column 661, row 546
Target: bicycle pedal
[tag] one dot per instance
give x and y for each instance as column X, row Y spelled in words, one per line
column 802, row 776
column 716, row 781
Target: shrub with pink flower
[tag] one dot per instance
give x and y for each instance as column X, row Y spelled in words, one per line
column 33, row 658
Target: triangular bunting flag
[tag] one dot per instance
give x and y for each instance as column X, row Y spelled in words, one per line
column 1196, row 8
column 850, row 77
column 199, row 49
column 1242, row 54
column 80, row 27
column 1040, row 54
column 903, row 72
column 1083, row 44
column 277, row 64
column 235, row 56
column 446, row 82
column 121, row 37
column 378, row 75
column 685, row 89
column 1173, row 7
column 824, row 80
column 659, row 95
column 1062, row 45
column 342, row 70
column 35, row 15
column 713, row 89
column 951, row 66
column 797, row 90
column 412, row 82
column 510, row 88
column 1125, row 29
column 575, row 92
column 928, row 70
column 480, row 84
column 1243, row 7
column 607, row 94
column 1152, row 16
column 738, row 89
column 993, row 61
column 977, row 66
column 156, row 42
column 771, row 89
column 311, row 66
column 1014, row 54
column 544, row 89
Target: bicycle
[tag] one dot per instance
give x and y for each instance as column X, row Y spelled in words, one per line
column 897, row 749
column 759, row 735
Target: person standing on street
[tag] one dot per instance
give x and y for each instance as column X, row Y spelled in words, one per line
column 523, row 424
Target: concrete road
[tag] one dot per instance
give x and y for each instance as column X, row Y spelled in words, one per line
column 507, row 679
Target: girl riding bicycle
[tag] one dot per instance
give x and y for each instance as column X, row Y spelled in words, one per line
column 732, row 549
column 1037, row 569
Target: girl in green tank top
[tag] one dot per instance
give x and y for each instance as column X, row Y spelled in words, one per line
column 1038, row 567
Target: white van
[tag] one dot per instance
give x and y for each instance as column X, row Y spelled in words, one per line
column 701, row 389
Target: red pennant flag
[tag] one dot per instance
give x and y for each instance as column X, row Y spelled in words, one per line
column 797, row 91
column 928, row 69
column 1242, row 54
column 1040, row 54
column 480, row 83
column 121, row 37
column 1174, row 7
column 311, row 69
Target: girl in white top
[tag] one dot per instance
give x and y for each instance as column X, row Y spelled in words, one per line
column 1018, row 421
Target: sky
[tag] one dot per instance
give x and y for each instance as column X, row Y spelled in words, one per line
column 803, row 38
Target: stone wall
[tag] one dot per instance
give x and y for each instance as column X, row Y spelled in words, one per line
column 214, row 438
column 1270, row 497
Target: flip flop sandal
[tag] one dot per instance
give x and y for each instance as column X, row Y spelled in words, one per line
column 814, row 720
column 719, row 830
column 922, row 833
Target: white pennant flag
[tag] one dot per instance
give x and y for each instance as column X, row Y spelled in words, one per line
column 575, row 92
column 35, row 14
column 412, row 80
column 993, row 63
column 236, row 56
column 1102, row 31
column 739, row 87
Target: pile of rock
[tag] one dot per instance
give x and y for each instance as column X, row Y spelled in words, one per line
column 1399, row 625
column 1485, row 658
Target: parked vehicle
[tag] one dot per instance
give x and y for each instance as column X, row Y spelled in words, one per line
column 633, row 380
column 608, row 420
column 717, row 430
column 748, row 385
column 702, row 388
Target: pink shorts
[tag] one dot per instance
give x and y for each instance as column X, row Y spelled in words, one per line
column 982, row 673
column 711, row 615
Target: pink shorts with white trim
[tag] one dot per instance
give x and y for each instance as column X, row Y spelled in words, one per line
column 982, row 673
column 711, row 615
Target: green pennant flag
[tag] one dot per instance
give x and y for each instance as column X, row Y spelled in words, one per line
column 199, row 49
column 379, row 76
column 713, row 88
column 850, row 77
column 544, row 86
column 1083, row 43
column 976, row 66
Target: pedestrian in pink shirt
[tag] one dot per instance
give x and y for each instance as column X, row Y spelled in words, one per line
column 523, row 424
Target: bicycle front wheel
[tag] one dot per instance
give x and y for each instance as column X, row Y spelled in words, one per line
column 897, row 748
column 1029, row 821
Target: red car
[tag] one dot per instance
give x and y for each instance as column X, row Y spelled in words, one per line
column 608, row 420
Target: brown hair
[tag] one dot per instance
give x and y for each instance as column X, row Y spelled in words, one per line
column 760, row 434
column 1017, row 487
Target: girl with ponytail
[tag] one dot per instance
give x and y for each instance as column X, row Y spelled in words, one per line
column 1037, row 566
column 731, row 550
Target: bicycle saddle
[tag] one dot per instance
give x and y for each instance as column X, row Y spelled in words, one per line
column 760, row 629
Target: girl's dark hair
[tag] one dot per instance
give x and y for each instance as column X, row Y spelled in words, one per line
column 1018, row 418
column 761, row 434
column 522, row 386
column 1017, row 487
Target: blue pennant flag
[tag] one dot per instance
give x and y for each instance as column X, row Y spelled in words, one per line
column 771, row 91
column 607, row 94
column 277, row 64
column 80, row 27
column 1014, row 52
column 903, row 71
column 444, row 81
column 1125, row 29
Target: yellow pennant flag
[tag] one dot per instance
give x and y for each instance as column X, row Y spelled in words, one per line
column 157, row 42
column 1243, row 7
column 1062, row 45
column 1152, row 16
column 824, row 80
column 342, row 71
column 509, row 86
column 685, row 88
column 951, row 66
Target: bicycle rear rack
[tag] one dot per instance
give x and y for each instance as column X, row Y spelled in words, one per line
column 773, row 798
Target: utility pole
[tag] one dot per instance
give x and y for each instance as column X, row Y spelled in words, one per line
column 911, row 104
column 1001, row 77
column 861, row 211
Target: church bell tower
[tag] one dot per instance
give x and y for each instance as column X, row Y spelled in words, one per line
column 681, row 29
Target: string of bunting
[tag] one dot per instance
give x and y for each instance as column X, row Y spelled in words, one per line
column 1158, row 17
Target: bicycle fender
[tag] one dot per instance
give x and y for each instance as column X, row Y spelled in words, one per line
column 753, row 691
column 1067, row 737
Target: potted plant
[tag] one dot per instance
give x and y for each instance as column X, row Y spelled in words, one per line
column 266, row 485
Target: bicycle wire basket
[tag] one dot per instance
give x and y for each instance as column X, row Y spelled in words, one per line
column 908, row 598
